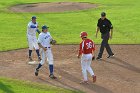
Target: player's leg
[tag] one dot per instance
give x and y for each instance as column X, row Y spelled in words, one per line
column 41, row 62
column 84, row 66
column 37, row 48
column 108, row 49
column 101, row 50
column 101, row 47
column 30, row 43
column 89, row 69
column 50, row 62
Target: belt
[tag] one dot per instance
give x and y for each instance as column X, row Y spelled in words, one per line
column 47, row 47
column 87, row 53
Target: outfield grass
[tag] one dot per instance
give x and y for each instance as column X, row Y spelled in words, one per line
column 15, row 86
column 65, row 27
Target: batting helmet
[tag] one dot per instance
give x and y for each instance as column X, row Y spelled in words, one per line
column 83, row 34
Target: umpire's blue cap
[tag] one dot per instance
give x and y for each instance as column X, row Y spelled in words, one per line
column 33, row 17
column 44, row 27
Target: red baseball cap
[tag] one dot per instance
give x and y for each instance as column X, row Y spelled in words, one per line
column 83, row 34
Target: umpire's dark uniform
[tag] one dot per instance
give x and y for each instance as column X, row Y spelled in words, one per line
column 104, row 26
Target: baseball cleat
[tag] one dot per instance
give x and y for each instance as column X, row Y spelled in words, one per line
column 98, row 58
column 30, row 59
column 94, row 79
column 84, row 82
column 36, row 72
column 52, row 76
column 111, row 56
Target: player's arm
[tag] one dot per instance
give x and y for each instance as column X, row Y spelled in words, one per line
column 52, row 41
column 50, row 37
column 80, row 51
column 111, row 29
column 42, row 47
column 40, row 39
column 32, row 26
column 93, row 52
column 93, row 55
column 111, row 33
column 37, row 30
column 97, row 29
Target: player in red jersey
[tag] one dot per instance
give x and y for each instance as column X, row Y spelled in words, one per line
column 86, row 52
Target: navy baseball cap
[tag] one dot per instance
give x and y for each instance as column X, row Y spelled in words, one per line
column 33, row 17
column 45, row 27
column 103, row 14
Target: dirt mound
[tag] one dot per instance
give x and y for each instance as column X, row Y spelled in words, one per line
column 120, row 74
column 52, row 7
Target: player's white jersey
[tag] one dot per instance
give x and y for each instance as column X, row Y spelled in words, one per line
column 31, row 28
column 44, row 39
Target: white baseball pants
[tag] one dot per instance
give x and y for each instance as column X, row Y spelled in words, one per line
column 86, row 60
column 46, row 54
column 32, row 42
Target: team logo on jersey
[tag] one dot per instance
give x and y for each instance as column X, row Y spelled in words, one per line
column 47, row 36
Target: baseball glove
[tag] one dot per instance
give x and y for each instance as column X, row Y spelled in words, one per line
column 93, row 58
column 53, row 42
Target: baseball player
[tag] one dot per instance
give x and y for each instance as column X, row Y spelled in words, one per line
column 44, row 40
column 32, row 28
column 86, row 51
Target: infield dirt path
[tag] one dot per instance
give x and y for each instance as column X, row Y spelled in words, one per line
column 120, row 74
column 52, row 7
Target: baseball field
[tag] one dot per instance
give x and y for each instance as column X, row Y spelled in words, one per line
column 120, row 74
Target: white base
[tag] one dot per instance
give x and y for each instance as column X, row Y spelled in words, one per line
column 33, row 62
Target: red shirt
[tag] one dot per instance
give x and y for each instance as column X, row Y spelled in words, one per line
column 86, row 47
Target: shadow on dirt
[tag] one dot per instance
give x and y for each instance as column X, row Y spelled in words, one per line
column 124, row 64
column 90, row 86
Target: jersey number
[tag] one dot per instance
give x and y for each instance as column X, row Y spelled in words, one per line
column 89, row 45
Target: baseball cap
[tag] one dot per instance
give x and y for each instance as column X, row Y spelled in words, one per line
column 33, row 17
column 83, row 34
column 44, row 27
column 103, row 14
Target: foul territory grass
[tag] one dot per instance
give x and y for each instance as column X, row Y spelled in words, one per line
column 15, row 86
column 65, row 27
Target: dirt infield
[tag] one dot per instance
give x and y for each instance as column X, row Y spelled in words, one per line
column 52, row 7
column 120, row 74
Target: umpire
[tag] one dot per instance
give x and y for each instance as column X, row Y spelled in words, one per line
column 106, row 29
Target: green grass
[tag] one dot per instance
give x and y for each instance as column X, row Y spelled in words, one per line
column 65, row 27
column 15, row 86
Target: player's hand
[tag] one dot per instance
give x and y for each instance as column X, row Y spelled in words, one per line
column 78, row 56
column 93, row 58
column 44, row 49
column 37, row 27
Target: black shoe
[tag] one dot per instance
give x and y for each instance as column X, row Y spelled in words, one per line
column 111, row 56
column 36, row 72
column 98, row 58
column 52, row 76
